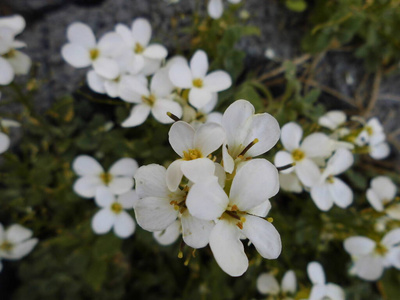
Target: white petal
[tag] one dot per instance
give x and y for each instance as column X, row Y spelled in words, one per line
column 394, row 257
column 318, row 292
column 132, row 89
column 95, row 82
column 4, row 142
column 229, row 163
column 322, row 196
column 359, row 245
column 332, row 119
column 374, row 200
column 7, row 72
column 168, row 235
column 316, row 273
column 335, row 292
column 160, row 84
column 141, row 31
column 380, row 151
column 283, row 158
column 103, row 220
column 206, row 200
column 106, row 67
column 128, row 200
column 155, row 214
column 81, row 34
column 181, row 137
column 393, row 211
column 316, row 145
column 392, row 238
column 199, row 97
column 150, row 181
column 308, row 172
column 111, row 45
column 227, row 248
column 112, row 88
column 20, row 62
column 120, row 185
column 174, row 175
column 217, row 81
column 198, row 169
column 155, row 51
column 289, row 283
column 138, row 115
column 162, row 106
column 125, row 34
column 151, row 66
column 339, row 162
column 22, row 249
column 220, row 174
column 291, row 135
column 264, row 236
column 181, row 76
column 84, row 165
column 104, row 197
column 86, row 186
column 215, row 8
column 16, row 233
column 76, row 55
column 384, row 187
column 369, row 267
column 124, row 225
column 199, row 64
column 341, row 193
column 267, row 284
column 195, row 232
column 124, row 167
column 254, row 183
column 290, row 182
column 208, row 138
column 16, row 23
column 261, row 210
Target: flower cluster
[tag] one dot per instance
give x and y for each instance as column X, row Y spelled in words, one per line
column 112, row 191
column 127, row 65
column 215, row 203
column 15, row 242
column 12, row 61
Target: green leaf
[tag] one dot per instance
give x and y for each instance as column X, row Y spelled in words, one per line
column 296, row 5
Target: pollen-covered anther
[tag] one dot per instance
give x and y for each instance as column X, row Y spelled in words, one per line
column 240, row 225
column 269, row 219
column 234, row 208
column 192, row 154
column 138, row 48
column 197, row 82
column 106, row 177
column 298, row 155
column 94, row 53
column 116, row 208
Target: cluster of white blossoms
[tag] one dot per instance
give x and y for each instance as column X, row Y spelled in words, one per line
column 215, row 203
column 268, row 285
column 127, row 65
column 112, row 190
column 370, row 257
column 215, row 8
column 15, row 242
column 12, row 61
column 381, row 194
column 322, row 290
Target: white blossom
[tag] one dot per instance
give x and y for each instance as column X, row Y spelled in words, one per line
column 15, row 241
column 370, row 258
column 332, row 119
column 196, row 79
column 215, row 8
column 4, row 142
column 322, row 290
column 268, row 285
column 381, row 192
column 119, row 178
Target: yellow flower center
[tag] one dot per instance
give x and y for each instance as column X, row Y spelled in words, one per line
column 6, row 246
column 330, row 179
column 192, row 154
column 298, row 155
column 150, row 100
column 381, row 249
column 197, row 82
column 94, row 53
column 106, row 177
column 116, row 208
column 138, row 48
column 369, row 130
column 10, row 54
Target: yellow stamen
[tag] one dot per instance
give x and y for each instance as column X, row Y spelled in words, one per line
column 330, row 179
column 150, row 100
column 242, row 219
column 116, row 208
column 106, row 177
column 10, row 54
column 234, row 208
column 180, row 254
column 269, row 219
column 240, row 225
column 381, row 249
column 138, row 48
column 6, row 246
column 298, row 155
column 192, row 154
column 369, row 130
column 197, row 82
column 94, row 53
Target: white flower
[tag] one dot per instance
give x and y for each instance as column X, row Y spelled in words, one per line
column 322, row 290
column 119, row 178
column 196, row 117
column 145, row 58
column 12, row 61
column 158, row 209
column 193, row 145
column 270, row 53
column 15, row 242
column 372, row 133
column 332, row 119
column 113, row 214
column 83, row 51
column 155, row 100
column 316, row 145
column 268, row 285
column 169, row 235
column 381, row 192
column 331, row 189
column 4, row 142
column 239, row 215
column 215, row 8
column 245, row 129
column 371, row 258
column 195, row 78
